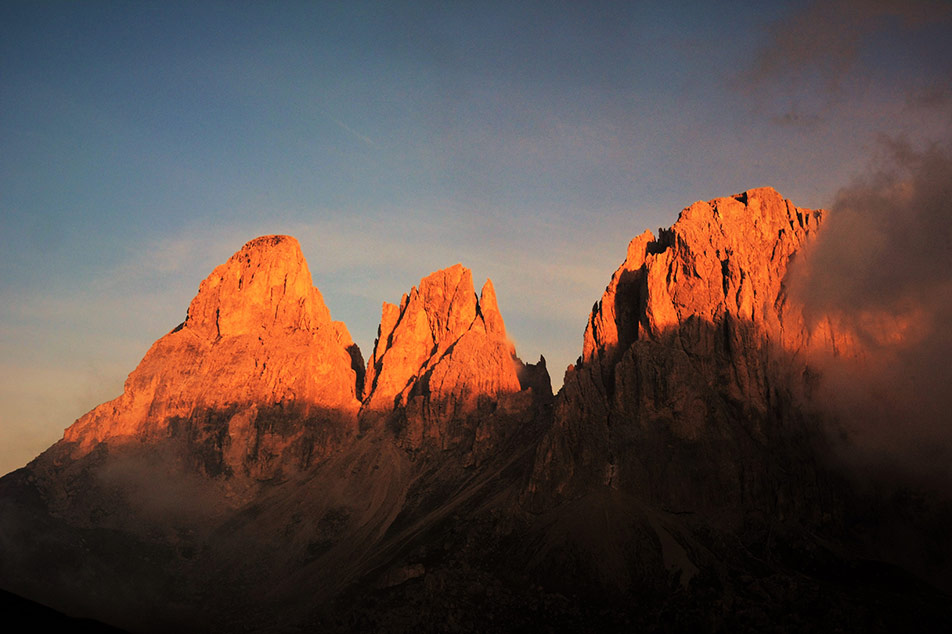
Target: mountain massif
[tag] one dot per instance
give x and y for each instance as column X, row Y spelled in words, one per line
column 255, row 476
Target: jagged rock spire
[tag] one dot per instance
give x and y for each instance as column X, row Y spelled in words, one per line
column 441, row 356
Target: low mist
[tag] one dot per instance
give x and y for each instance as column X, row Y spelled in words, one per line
column 882, row 271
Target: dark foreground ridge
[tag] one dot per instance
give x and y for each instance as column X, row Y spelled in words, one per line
column 255, row 476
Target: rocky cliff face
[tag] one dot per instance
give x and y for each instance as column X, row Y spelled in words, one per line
column 259, row 379
column 443, row 373
column 257, row 350
column 249, row 479
column 693, row 371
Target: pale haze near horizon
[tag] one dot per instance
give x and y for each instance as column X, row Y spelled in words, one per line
column 144, row 143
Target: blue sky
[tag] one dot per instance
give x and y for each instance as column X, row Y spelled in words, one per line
column 141, row 144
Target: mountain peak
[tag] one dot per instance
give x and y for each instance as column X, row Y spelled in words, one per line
column 450, row 304
column 706, row 302
column 258, row 346
column 724, row 256
column 681, row 461
column 430, row 319
column 489, row 309
column 442, row 363
column 265, row 285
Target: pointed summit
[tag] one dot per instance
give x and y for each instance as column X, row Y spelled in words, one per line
column 258, row 345
column 442, row 363
column 449, row 302
column 265, row 285
column 490, row 310
column 429, row 320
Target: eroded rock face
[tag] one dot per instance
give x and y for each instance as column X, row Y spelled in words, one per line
column 443, row 372
column 258, row 377
column 693, row 369
column 664, row 486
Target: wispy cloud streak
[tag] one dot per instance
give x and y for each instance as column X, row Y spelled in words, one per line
column 346, row 128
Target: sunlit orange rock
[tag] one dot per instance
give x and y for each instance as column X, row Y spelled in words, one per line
column 257, row 349
column 692, row 363
column 728, row 256
column 675, row 483
column 442, row 366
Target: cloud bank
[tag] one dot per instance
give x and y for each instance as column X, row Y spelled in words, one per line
column 883, row 270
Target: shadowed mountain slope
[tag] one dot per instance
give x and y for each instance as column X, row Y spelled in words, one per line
column 250, row 479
